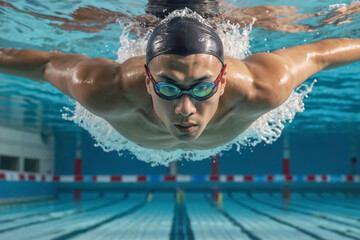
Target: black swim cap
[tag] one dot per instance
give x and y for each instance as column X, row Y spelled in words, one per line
column 184, row 36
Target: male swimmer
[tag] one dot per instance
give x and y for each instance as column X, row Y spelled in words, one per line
column 184, row 94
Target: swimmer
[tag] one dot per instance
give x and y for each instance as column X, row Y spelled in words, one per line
column 184, row 94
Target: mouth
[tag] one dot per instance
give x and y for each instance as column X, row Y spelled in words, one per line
column 186, row 127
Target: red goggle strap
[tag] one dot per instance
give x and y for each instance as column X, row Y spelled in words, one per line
column 149, row 74
column 220, row 75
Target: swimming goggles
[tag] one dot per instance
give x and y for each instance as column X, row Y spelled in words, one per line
column 200, row 91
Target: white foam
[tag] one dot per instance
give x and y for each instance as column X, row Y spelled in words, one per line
column 335, row 6
column 236, row 41
column 186, row 12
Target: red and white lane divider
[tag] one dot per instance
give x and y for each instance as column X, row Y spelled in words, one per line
column 7, row 176
column 25, row 177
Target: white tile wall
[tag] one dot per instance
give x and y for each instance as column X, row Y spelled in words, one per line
column 24, row 144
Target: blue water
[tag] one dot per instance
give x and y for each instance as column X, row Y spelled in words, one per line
column 333, row 105
column 140, row 216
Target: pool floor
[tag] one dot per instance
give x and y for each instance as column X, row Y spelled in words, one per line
column 163, row 216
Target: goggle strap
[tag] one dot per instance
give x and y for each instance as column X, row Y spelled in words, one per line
column 148, row 73
column 220, row 75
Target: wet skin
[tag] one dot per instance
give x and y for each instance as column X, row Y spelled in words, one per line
column 185, row 111
column 124, row 96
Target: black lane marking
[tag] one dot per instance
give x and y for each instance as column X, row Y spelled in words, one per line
column 330, row 203
column 17, row 218
column 97, row 225
column 339, row 232
column 243, row 229
column 41, row 214
column 334, row 203
column 181, row 225
column 305, row 213
column 354, row 200
column 36, row 201
column 56, row 218
column 310, row 234
column 20, row 206
column 316, row 209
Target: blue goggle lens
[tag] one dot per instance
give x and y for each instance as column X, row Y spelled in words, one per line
column 168, row 89
column 203, row 89
column 200, row 90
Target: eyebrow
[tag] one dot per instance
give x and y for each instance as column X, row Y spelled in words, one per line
column 168, row 79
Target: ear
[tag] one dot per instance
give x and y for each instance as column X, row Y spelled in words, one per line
column 148, row 85
column 223, row 84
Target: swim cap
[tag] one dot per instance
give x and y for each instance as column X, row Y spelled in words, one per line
column 184, row 36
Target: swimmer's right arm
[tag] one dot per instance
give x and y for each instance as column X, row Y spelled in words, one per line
column 95, row 83
column 34, row 65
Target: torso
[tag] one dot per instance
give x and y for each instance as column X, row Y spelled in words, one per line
column 141, row 125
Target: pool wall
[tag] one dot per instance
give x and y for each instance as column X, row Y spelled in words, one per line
column 24, row 145
column 21, row 145
column 26, row 189
column 310, row 153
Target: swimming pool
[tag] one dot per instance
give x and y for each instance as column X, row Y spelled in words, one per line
column 138, row 216
column 323, row 140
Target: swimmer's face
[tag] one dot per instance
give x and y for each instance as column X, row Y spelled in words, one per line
column 178, row 114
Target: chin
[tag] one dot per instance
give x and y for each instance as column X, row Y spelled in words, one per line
column 183, row 137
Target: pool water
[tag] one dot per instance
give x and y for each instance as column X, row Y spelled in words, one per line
column 333, row 106
column 240, row 216
column 91, row 29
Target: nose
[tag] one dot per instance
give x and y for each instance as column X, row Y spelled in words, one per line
column 185, row 107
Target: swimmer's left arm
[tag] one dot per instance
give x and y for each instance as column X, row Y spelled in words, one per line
column 321, row 55
column 283, row 70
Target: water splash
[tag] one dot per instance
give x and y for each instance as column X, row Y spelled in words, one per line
column 335, row 6
column 236, row 41
column 186, row 12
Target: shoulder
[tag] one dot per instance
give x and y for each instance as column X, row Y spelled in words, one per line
column 104, row 84
column 254, row 82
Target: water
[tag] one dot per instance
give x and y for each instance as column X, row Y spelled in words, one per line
column 236, row 41
column 332, row 106
column 159, row 216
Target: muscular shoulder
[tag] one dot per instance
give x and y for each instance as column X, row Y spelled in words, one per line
column 102, row 85
column 254, row 82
